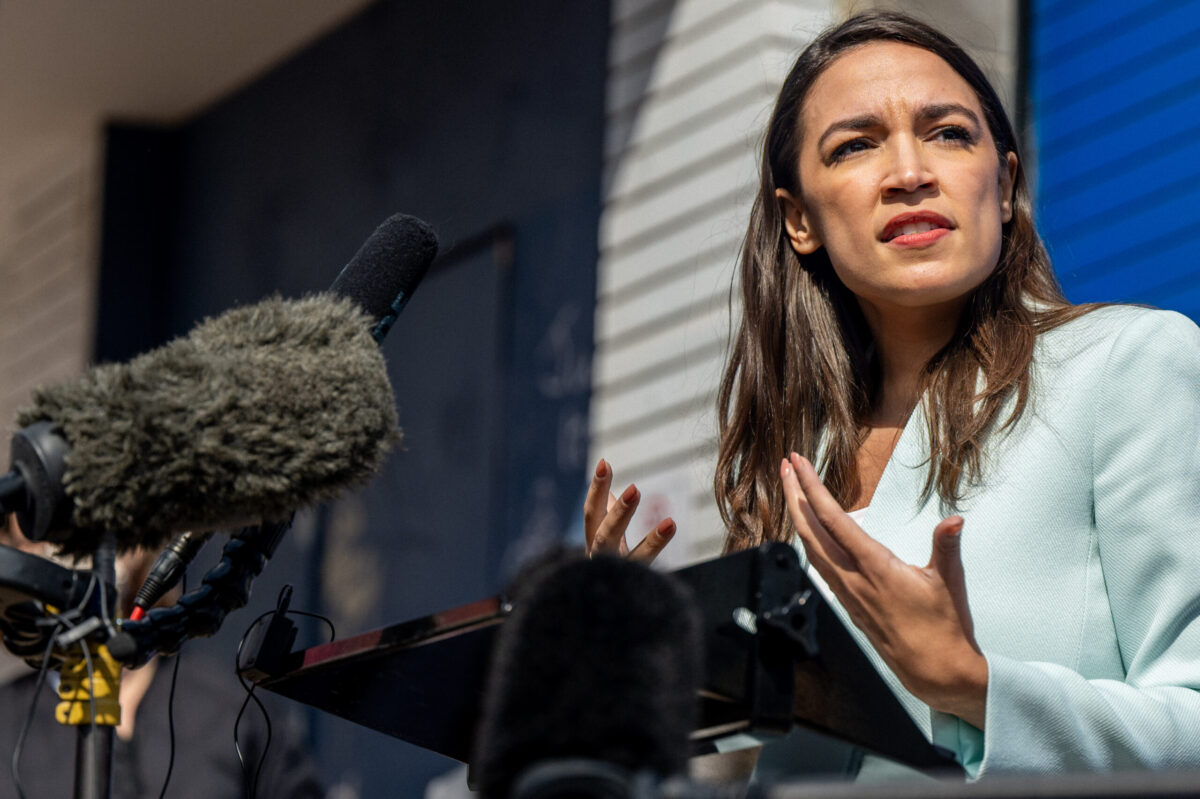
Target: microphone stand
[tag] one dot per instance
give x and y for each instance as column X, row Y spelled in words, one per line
column 90, row 647
column 33, row 589
column 90, row 692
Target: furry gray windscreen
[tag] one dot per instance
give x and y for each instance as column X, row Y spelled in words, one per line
column 255, row 413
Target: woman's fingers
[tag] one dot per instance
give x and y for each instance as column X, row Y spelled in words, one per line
column 610, row 533
column 598, row 501
column 654, row 541
column 840, row 527
column 606, row 517
column 946, row 560
column 822, row 550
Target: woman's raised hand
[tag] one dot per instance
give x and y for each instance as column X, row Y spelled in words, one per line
column 916, row 618
column 606, row 517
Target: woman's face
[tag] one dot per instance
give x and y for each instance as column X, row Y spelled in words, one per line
column 899, row 179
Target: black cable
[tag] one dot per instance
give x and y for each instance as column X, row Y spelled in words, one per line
column 57, row 621
column 105, row 616
column 37, row 692
column 251, row 783
column 171, row 709
column 332, row 632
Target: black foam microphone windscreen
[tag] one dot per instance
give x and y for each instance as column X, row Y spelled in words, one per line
column 600, row 659
column 384, row 273
column 255, row 413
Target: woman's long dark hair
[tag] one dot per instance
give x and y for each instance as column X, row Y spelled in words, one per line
column 799, row 377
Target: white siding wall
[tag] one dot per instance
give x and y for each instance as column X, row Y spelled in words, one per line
column 691, row 83
column 690, row 90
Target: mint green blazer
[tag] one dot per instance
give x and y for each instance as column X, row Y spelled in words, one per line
column 1082, row 554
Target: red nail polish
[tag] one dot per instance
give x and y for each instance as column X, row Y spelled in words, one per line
column 630, row 494
column 666, row 528
column 601, row 469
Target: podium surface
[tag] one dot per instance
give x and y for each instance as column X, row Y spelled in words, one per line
column 775, row 655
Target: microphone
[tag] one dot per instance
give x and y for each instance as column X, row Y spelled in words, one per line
column 593, row 682
column 380, row 278
column 255, row 413
column 384, row 273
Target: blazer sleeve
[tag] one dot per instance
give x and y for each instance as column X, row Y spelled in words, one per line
column 1044, row 717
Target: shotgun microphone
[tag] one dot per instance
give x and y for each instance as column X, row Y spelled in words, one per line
column 255, row 413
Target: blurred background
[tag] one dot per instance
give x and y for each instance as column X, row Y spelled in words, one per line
column 589, row 168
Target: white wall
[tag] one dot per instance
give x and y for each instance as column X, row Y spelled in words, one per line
column 690, row 90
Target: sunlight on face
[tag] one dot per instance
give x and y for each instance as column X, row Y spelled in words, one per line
column 899, row 179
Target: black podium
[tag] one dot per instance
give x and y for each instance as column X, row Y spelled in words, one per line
column 775, row 655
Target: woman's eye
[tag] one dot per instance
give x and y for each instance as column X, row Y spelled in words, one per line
column 848, row 148
column 954, row 133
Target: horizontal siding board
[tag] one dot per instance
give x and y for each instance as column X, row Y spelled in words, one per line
column 703, row 289
column 662, row 447
column 722, row 250
column 637, row 41
column 640, row 357
column 656, row 177
column 689, row 379
column 675, row 134
column 630, row 12
column 663, row 414
column 757, row 62
column 680, row 66
column 684, row 17
column 686, row 233
column 720, row 116
column 630, row 220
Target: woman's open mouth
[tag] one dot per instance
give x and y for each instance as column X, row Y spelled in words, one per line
column 918, row 229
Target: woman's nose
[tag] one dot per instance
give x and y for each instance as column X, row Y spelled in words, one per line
column 908, row 169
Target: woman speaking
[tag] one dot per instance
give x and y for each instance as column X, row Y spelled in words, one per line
column 999, row 490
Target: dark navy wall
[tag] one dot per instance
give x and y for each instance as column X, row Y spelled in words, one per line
column 1116, row 108
column 486, row 119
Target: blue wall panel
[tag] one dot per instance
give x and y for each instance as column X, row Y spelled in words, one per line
column 1115, row 90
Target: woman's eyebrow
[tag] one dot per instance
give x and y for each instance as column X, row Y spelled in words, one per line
column 936, row 111
column 861, row 122
column 928, row 113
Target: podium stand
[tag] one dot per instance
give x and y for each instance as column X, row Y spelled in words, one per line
column 775, row 655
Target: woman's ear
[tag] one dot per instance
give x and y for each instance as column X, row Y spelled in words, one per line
column 1008, row 179
column 803, row 237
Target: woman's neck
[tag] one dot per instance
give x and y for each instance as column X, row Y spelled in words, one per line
column 905, row 340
